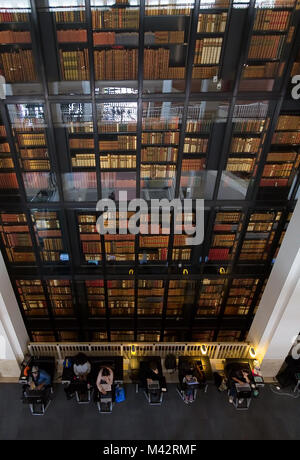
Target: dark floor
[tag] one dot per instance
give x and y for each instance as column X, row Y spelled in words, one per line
column 270, row 416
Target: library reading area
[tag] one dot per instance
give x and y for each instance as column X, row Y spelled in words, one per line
column 149, row 106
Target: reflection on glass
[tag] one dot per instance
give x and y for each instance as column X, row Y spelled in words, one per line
column 114, row 182
column 150, row 297
column 95, row 297
column 121, row 297
column 40, row 186
column 61, row 297
column 232, row 187
column 211, row 297
column 16, row 238
column 197, row 184
column 32, row 297
column 225, row 236
column 80, row 186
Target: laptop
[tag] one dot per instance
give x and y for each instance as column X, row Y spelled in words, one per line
column 244, row 391
column 154, row 385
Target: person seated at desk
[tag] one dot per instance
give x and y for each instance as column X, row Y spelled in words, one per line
column 153, row 374
column 38, row 380
column 239, row 376
column 81, row 369
column 105, row 380
column 188, row 382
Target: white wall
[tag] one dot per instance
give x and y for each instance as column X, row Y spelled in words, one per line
column 13, row 335
column 277, row 321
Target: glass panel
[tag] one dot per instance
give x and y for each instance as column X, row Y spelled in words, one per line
column 49, row 236
column 61, row 297
column 150, row 297
column 181, row 297
column 259, row 236
column 17, row 57
column 95, row 297
column 16, row 238
column 32, row 297
column 121, row 336
column 283, row 160
column 240, row 296
column 225, row 236
column 250, row 123
column 211, row 297
column 114, row 182
column 80, row 186
column 121, row 298
column 90, row 242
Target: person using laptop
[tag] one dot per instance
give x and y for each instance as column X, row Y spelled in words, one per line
column 188, row 381
column 153, row 374
column 105, row 380
column 82, row 370
column 238, row 376
column 38, row 379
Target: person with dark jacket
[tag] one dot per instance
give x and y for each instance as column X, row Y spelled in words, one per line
column 153, row 373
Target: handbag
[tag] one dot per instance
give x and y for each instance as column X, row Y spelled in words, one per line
column 119, row 394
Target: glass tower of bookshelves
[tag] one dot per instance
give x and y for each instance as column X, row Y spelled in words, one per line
column 160, row 99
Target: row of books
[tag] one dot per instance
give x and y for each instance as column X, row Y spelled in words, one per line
column 14, row 16
column 212, row 23
column 160, row 138
column 245, row 145
column 6, row 163
column 160, row 124
column 18, row 239
column 274, row 182
column 8, row 181
column 228, row 217
column 271, row 20
column 66, row 16
column 288, row 122
column 195, row 145
column 223, row 240
column 83, row 127
column 33, row 153
column 156, row 65
column 266, row 47
column 31, row 165
column 31, row 139
column 116, row 64
column 240, row 164
column 72, row 35
column 122, row 143
column 208, row 51
column 291, row 138
column 4, row 148
column 118, row 161
column 119, row 18
column 18, row 66
column 2, row 131
column 218, row 254
column 193, row 165
column 250, row 126
column 151, row 154
column 84, row 143
column 282, row 156
column 168, row 11
column 201, row 126
column 283, row 170
column 267, row 70
column 149, row 284
column 10, row 36
column 85, row 160
column 119, row 247
column 158, row 171
column 204, row 72
column 111, row 127
column 181, row 254
column 74, row 65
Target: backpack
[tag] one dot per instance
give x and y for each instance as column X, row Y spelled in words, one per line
column 119, row 394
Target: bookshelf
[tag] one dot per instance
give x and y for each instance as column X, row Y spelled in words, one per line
column 150, row 298
column 32, row 297
column 210, row 297
column 104, row 115
column 181, row 295
column 240, row 296
column 259, row 235
column 61, row 297
column 121, row 297
column 90, row 242
column 95, row 295
column 48, row 232
column 16, row 238
column 226, row 231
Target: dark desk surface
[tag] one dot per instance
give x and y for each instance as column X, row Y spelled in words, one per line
column 193, row 359
column 135, row 372
column 116, row 362
column 246, row 361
